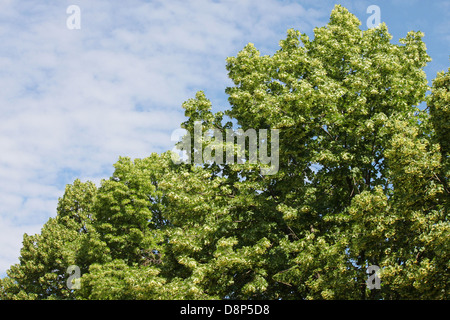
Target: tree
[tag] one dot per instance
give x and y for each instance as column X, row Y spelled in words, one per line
column 362, row 181
column 64, row 241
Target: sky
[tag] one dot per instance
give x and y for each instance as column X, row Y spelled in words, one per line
column 75, row 97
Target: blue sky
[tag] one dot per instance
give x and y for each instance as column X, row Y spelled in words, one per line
column 73, row 101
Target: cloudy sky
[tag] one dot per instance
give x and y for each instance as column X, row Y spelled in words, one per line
column 73, row 100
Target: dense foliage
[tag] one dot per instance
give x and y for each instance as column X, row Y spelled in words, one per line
column 363, row 180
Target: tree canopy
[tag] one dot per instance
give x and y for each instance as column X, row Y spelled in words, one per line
column 363, row 180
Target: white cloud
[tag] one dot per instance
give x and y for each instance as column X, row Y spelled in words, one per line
column 73, row 101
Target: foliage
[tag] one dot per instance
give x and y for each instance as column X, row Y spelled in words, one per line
column 363, row 180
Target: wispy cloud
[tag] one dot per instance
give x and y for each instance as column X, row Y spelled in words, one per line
column 73, row 101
